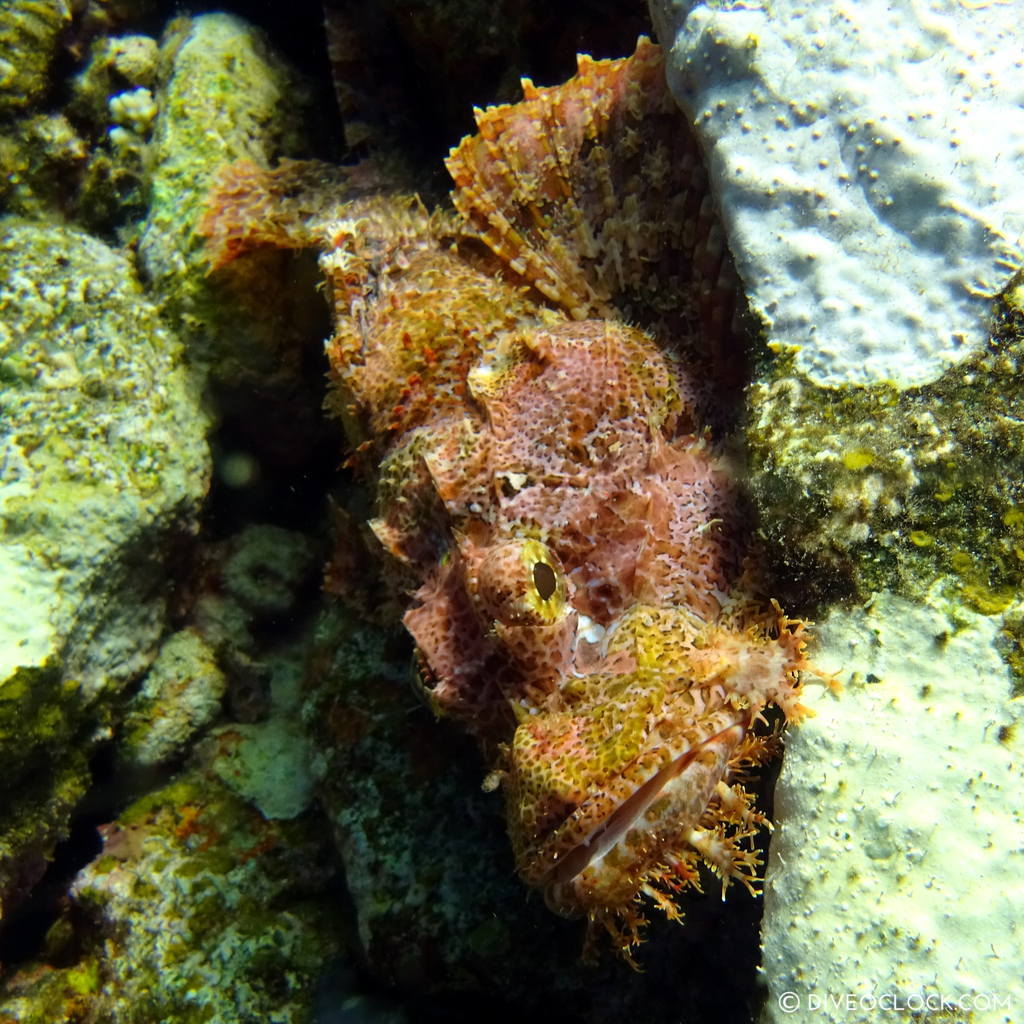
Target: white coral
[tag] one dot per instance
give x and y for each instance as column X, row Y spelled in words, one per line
column 868, row 161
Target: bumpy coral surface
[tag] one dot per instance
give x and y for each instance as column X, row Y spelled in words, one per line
column 548, row 489
column 198, row 910
column 102, row 455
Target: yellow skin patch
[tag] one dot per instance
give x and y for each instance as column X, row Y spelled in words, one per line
column 618, row 786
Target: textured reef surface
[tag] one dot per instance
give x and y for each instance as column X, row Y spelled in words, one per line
column 867, row 160
column 560, row 444
column 895, row 866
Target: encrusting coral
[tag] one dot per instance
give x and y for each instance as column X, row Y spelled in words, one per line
column 584, row 603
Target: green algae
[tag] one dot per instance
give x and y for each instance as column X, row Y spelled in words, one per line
column 919, row 491
column 1010, row 643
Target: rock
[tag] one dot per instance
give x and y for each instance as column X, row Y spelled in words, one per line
column 180, row 696
column 268, row 764
column 880, row 488
column 897, row 863
column 39, row 155
column 112, row 97
column 103, row 466
column 272, row 763
column 197, row 910
column 867, row 161
column 30, row 36
column 222, row 95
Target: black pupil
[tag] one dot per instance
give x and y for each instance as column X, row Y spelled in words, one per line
column 544, row 580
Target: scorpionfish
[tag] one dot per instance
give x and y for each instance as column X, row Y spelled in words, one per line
column 529, row 380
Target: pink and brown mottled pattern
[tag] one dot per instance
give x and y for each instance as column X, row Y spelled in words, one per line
column 546, row 482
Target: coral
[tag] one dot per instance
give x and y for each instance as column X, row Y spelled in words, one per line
column 30, row 36
column 180, row 696
column 199, row 910
column 265, row 566
column 117, row 68
column 872, row 202
column 103, row 464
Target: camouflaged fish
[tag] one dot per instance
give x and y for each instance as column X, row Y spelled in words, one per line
column 530, row 382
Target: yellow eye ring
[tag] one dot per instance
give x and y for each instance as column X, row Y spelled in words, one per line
column 521, row 583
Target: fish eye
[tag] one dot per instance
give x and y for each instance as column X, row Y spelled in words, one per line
column 544, row 580
column 520, row 583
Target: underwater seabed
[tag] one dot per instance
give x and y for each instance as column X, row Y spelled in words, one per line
column 222, row 798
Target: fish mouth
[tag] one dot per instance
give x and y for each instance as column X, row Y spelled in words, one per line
column 687, row 779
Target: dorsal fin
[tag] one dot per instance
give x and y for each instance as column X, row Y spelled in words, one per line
column 595, row 192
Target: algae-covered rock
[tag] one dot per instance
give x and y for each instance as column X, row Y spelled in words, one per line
column 267, row 763
column 222, row 95
column 180, row 696
column 112, row 97
column 87, row 161
column 103, row 465
column 30, row 32
column 41, row 154
column 197, row 910
column 897, row 865
column 881, row 488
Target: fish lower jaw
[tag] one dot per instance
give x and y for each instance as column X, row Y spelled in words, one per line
column 651, row 834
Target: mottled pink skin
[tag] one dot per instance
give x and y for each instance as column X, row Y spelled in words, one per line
column 586, row 457
column 589, row 448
